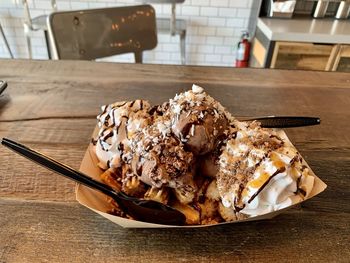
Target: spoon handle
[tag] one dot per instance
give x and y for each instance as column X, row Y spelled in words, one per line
column 60, row 168
column 3, row 86
column 144, row 210
column 284, row 121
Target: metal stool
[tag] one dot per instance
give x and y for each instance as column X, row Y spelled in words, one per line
column 35, row 24
column 97, row 33
column 5, row 40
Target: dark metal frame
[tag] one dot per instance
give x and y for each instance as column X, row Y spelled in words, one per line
column 96, row 33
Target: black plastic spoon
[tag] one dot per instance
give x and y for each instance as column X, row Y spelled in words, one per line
column 3, row 86
column 140, row 209
column 283, row 121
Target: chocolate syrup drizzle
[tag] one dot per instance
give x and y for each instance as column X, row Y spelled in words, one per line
column 300, row 190
column 111, row 116
column 93, row 141
column 247, row 178
column 281, row 170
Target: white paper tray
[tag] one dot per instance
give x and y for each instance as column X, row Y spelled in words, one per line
column 97, row 201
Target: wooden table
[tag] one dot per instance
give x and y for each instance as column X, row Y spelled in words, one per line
column 51, row 106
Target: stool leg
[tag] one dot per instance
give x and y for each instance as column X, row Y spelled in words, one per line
column 29, row 47
column 6, row 43
column 29, row 44
column 183, row 47
column 47, row 44
column 138, row 57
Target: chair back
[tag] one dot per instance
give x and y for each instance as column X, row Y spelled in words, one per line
column 27, row 17
column 96, row 33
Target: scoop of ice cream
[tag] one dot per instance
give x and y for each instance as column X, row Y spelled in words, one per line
column 118, row 123
column 260, row 172
column 160, row 159
column 207, row 165
column 198, row 120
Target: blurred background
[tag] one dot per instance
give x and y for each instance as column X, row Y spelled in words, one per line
column 213, row 29
column 290, row 34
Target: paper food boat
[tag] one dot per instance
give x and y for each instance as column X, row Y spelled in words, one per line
column 97, row 201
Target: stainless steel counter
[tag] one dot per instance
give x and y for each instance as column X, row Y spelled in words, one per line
column 330, row 31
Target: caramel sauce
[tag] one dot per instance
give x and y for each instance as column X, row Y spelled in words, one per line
column 130, row 134
column 276, row 161
column 305, row 172
column 245, row 193
column 257, row 183
column 294, row 173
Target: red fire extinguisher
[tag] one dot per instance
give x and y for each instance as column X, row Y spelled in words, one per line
column 243, row 50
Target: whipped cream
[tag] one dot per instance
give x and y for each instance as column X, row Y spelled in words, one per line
column 118, row 123
column 261, row 173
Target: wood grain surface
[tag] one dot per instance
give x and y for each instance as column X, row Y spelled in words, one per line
column 52, row 107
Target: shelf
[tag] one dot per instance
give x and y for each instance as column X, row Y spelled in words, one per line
column 329, row 31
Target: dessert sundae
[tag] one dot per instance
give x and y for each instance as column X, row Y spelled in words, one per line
column 193, row 155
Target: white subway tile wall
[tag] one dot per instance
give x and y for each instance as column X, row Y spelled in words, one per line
column 213, row 29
